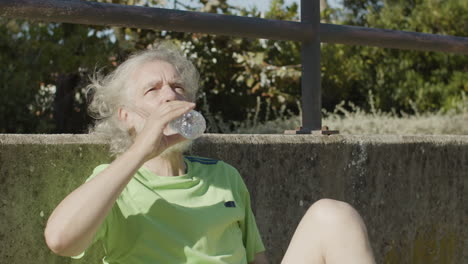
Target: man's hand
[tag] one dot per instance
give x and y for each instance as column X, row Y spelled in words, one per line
column 151, row 141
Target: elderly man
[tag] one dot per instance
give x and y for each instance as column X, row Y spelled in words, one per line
column 152, row 204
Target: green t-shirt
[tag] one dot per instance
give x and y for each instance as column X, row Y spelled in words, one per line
column 201, row 217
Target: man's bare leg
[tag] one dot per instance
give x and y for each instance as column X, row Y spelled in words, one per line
column 330, row 232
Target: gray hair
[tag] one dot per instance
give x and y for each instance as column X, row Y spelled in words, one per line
column 108, row 93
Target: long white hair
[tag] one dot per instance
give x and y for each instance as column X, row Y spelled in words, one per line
column 107, row 93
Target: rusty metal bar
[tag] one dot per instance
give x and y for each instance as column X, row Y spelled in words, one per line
column 310, row 78
column 95, row 13
column 395, row 39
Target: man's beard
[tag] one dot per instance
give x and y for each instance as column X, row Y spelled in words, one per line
column 178, row 148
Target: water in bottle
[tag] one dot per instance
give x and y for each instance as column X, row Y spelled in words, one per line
column 190, row 125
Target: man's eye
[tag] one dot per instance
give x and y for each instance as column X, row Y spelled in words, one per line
column 150, row 90
column 179, row 89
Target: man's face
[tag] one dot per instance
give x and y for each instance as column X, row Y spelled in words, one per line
column 153, row 84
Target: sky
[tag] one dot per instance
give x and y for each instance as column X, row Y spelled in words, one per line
column 262, row 5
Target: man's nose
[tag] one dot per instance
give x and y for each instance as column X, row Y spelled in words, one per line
column 168, row 94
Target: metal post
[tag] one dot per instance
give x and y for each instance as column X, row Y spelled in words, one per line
column 310, row 80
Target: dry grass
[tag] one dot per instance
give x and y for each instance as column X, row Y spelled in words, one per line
column 358, row 121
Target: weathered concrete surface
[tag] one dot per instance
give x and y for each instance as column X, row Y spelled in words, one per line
column 410, row 190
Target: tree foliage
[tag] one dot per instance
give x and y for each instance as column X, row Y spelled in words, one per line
column 402, row 79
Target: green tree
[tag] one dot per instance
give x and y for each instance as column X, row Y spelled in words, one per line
column 404, row 80
column 45, row 65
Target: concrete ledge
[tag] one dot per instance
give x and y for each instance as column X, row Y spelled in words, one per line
column 410, row 190
column 243, row 138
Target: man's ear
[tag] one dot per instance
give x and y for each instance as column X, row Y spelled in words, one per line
column 122, row 114
column 124, row 117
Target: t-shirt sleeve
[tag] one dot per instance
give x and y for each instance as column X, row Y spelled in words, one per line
column 101, row 232
column 250, row 234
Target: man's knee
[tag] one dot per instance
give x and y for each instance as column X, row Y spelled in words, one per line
column 331, row 211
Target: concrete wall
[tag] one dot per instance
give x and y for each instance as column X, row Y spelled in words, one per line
column 410, row 190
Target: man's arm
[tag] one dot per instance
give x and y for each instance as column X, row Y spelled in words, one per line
column 260, row 258
column 74, row 222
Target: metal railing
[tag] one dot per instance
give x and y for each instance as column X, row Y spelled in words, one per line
column 309, row 31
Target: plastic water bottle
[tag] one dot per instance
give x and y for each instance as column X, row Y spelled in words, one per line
column 190, row 125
